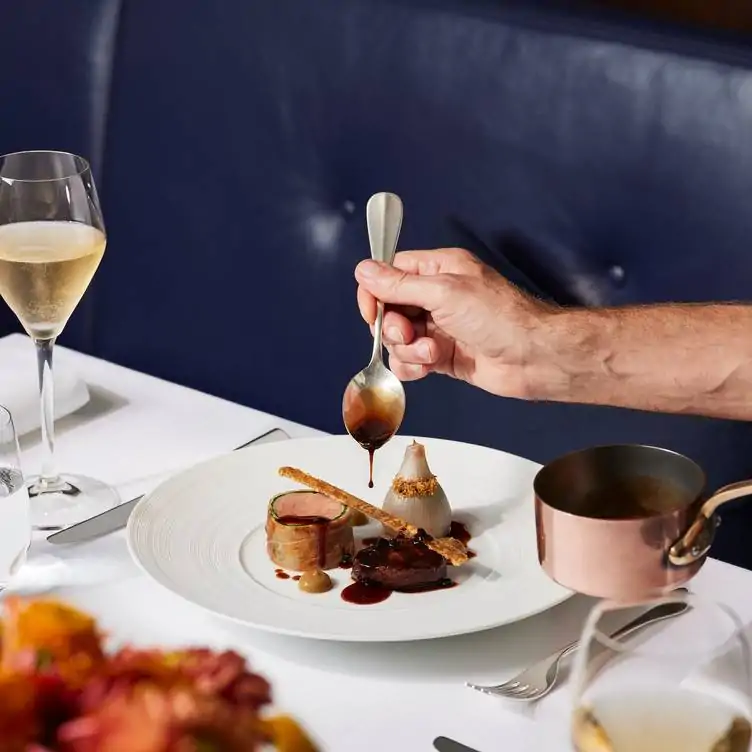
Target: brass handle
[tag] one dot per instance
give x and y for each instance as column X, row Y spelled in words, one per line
column 696, row 542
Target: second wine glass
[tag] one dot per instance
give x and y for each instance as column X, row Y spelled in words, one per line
column 52, row 239
column 682, row 687
column 15, row 528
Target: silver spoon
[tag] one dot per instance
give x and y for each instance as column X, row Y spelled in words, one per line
column 374, row 402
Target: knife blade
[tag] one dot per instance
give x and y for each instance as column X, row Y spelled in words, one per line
column 445, row 744
column 117, row 517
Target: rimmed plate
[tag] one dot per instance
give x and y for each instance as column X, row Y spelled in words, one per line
column 201, row 535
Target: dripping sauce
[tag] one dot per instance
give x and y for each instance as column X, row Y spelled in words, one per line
column 372, row 433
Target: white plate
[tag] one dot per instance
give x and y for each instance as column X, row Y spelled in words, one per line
column 201, row 535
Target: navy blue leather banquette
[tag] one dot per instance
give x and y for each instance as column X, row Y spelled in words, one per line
column 595, row 161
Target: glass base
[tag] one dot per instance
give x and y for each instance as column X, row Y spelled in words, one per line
column 71, row 499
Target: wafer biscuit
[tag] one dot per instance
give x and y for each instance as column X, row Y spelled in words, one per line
column 450, row 548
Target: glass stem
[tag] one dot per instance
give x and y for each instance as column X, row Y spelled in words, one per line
column 48, row 476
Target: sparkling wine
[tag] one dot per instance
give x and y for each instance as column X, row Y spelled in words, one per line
column 671, row 720
column 45, row 268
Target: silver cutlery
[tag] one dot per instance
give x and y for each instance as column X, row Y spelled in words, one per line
column 538, row 680
column 445, row 744
column 376, row 387
column 117, row 517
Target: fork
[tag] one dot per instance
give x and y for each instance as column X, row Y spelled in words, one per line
column 538, row 680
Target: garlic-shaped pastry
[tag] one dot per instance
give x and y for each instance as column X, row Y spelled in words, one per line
column 417, row 497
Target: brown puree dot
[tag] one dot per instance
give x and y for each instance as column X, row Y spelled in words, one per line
column 315, row 581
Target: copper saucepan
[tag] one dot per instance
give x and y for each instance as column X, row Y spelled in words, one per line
column 627, row 521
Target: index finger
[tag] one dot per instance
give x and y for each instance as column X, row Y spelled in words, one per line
column 437, row 261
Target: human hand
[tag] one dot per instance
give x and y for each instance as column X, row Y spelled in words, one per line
column 449, row 313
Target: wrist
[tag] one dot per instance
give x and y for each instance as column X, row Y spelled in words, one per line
column 569, row 355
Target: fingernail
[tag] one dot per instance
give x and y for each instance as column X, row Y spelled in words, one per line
column 424, row 351
column 393, row 334
column 367, row 269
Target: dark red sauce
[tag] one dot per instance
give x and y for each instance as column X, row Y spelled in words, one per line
column 322, row 525
column 372, row 433
column 459, row 531
column 401, row 564
column 365, row 594
column 368, row 594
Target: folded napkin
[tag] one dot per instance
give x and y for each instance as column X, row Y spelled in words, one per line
column 19, row 388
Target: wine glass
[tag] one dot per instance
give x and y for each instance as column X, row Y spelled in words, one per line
column 15, row 526
column 684, row 686
column 52, row 239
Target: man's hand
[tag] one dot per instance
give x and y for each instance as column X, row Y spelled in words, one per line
column 449, row 313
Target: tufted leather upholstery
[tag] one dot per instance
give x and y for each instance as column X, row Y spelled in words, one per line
column 55, row 79
column 594, row 162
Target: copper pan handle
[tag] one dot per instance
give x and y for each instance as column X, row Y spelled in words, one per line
column 696, row 542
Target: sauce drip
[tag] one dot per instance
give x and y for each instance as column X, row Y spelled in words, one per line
column 281, row 574
column 322, row 525
column 372, row 433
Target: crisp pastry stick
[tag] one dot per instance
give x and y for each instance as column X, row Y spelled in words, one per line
column 450, row 548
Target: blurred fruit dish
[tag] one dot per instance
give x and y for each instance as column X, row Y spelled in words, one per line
column 60, row 691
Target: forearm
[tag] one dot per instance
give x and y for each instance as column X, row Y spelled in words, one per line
column 672, row 358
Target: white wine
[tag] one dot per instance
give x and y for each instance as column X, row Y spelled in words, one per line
column 669, row 720
column 45, row 268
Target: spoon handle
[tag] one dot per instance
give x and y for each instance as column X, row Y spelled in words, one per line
column 384, row 220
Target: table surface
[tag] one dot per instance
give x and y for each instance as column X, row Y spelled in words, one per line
column 138, row 430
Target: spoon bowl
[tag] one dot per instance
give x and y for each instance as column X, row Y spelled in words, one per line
column 373, row 405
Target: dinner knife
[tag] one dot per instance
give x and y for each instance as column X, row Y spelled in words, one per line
column 117, row 517
column 445, row 744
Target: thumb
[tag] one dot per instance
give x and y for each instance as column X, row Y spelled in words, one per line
column 390, row 285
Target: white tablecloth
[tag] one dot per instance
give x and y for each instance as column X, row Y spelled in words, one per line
column 353, row 698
